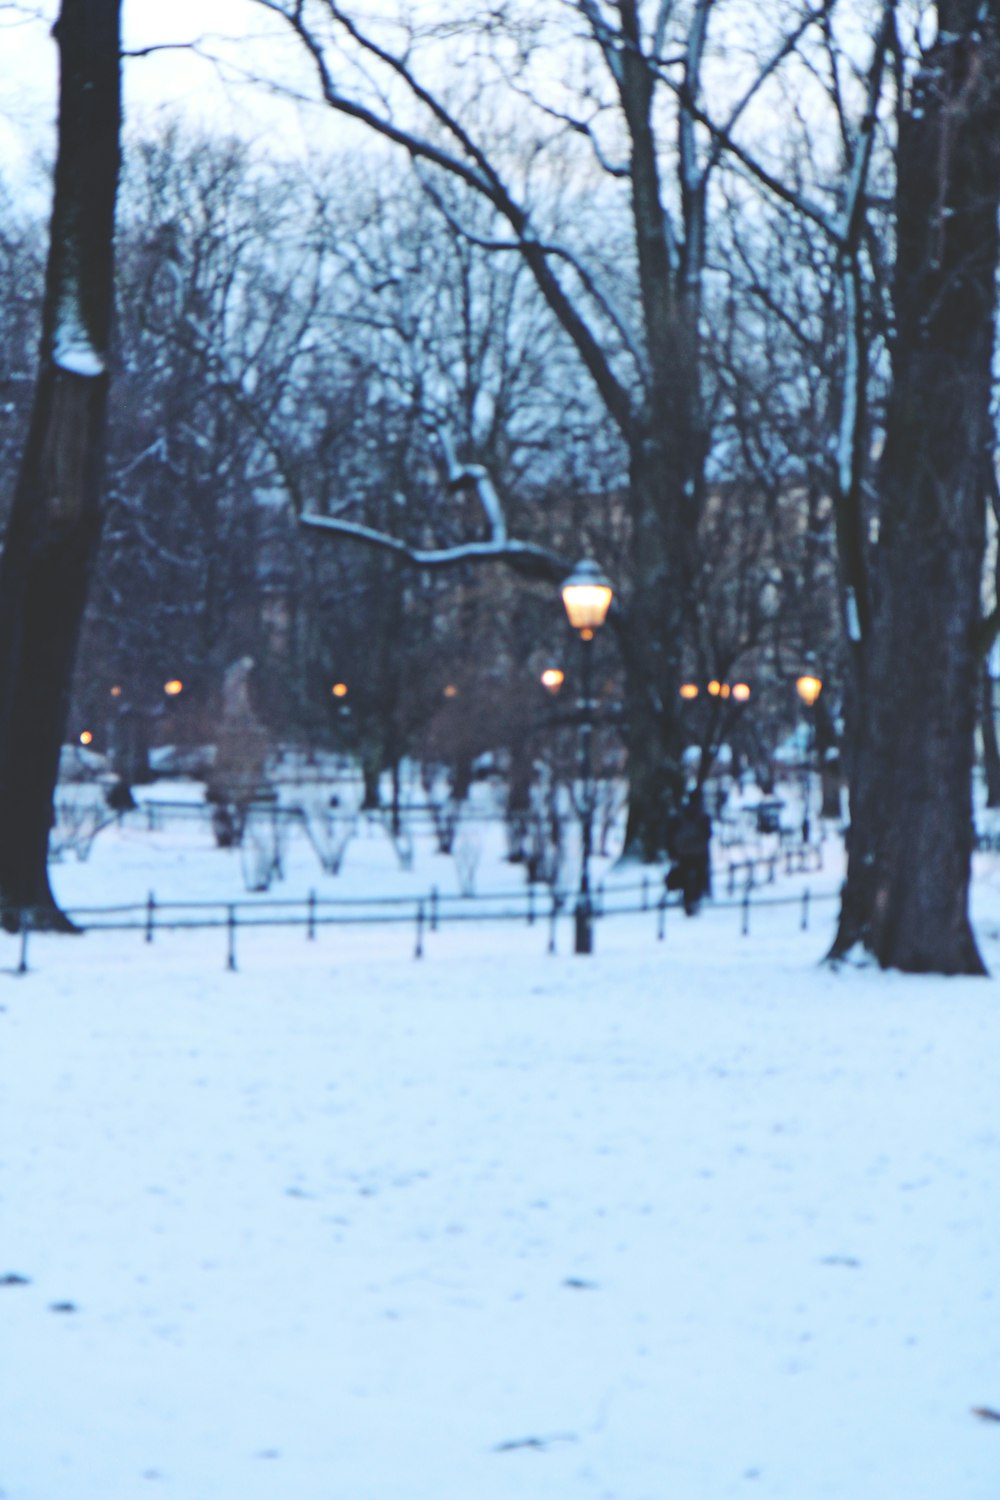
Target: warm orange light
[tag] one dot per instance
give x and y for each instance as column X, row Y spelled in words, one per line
column 586, row 596
column 741, row 691
column 173, row 688
column 715, row 688
column 553, row 678
column 689, row 690
column 116, row 691
column 86, row 738
column 451, row 691
column 339, row 690
column 808, row 688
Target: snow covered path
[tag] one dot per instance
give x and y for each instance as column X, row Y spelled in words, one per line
column 682, row 1221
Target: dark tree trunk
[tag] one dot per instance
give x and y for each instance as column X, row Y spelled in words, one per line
column 906, row 897
column 991, row 746
column 56, row 515
column 654, row 621
column 372, row 766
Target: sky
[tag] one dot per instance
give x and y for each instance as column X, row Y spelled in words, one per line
column 175, row 80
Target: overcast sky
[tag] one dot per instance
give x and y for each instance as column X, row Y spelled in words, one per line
column 171, row 80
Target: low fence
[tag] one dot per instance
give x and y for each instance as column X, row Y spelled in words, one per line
column 423, row 914
column 764, row 869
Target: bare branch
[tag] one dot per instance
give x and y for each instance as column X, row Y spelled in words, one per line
column 854, row 198
column 477, row 172
column 598, row 294
column 524, row 557
column 475, row 476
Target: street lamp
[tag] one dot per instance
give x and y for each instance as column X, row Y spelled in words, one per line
column 586, row 596
column 808, row 686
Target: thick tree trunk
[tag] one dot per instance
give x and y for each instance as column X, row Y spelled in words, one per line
column 664, row 483
column 906, row 897
column 56, row 516
column 991, row 745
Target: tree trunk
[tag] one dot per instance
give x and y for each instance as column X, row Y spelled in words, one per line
column 372, row 766
column 652, row 627
column 991, row 745
column 906, row 897
column 56, row 515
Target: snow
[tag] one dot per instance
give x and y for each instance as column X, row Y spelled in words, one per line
column 79, row 359
column 72, row 348
column 695, row 1219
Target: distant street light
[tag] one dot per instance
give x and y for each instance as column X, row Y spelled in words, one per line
column 688, row 691
column 173, row 688
column 339, row 690
column 808, row 687
column 552, row 679
column 586, row 596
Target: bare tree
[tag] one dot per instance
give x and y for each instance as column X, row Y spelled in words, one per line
column 906, row 897
column 640, row 72
column 55, row 520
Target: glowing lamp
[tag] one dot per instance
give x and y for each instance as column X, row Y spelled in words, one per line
column 586, row 597
column 808, row 688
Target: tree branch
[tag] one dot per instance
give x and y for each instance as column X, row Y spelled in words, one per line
column 524, row 557
column 478, row 173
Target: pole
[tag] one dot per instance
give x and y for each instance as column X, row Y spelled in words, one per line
column 584, row 908
column 813, row 765
column 807, row 777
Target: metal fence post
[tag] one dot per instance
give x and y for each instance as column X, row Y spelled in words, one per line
column 150, row 916
column 746, row 912
column 22, row 967
column 434, row 909
column 418, row 952
column 311, row 923
column 805, row 909
column 553, row 914
column 661, row 918
column 231, row 954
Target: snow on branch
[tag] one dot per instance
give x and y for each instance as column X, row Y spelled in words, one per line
column 524, row 557
column 527, row 558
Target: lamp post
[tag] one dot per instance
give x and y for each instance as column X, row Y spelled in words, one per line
column 586, row 596
column 808, row 686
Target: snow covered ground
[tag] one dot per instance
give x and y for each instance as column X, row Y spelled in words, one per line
column 684, row 1220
